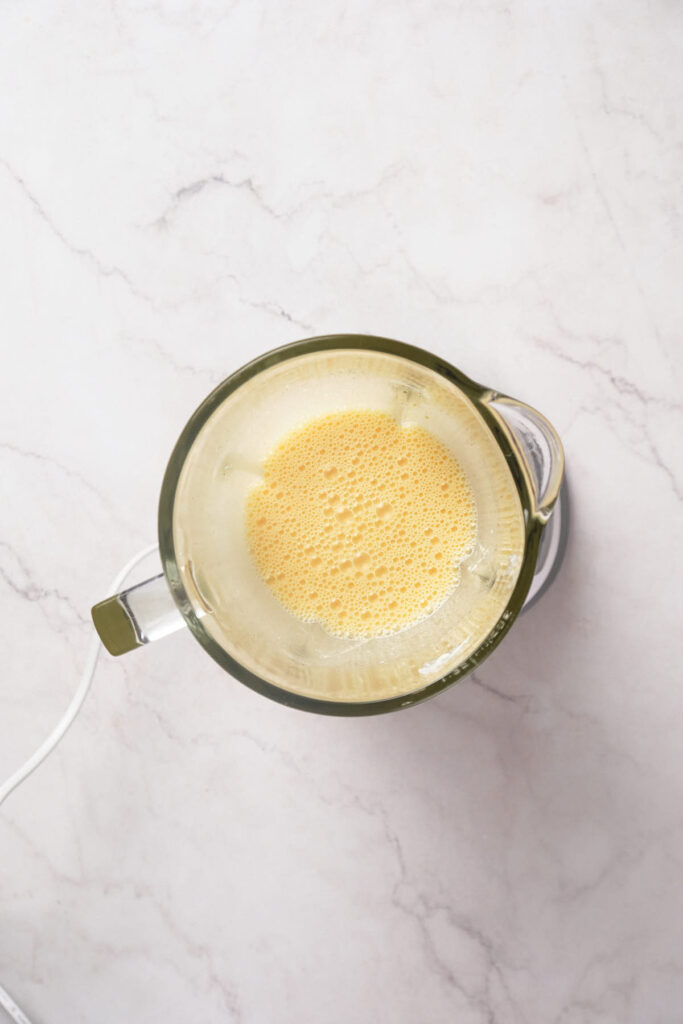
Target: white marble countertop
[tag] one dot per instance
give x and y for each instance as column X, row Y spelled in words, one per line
column 183, row 186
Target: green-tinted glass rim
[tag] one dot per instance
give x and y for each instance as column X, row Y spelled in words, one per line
column 475, row 392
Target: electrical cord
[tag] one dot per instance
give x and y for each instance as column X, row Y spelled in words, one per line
column 49, row 744
column 11, row 1007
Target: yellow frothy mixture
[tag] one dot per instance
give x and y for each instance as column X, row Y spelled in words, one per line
column 361, row 524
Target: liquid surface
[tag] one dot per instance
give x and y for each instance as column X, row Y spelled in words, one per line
column 361, row 524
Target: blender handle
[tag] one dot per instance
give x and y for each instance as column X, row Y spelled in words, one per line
column 537, row 447
column 137, row 616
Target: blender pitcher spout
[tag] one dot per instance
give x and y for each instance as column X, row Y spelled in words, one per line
column 137, row 616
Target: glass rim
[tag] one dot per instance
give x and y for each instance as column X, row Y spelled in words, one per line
column 479, row 395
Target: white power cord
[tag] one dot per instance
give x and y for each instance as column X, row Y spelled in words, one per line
column 14, row 1011
column 49, row 744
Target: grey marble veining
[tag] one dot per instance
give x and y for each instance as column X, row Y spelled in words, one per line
column 183, row 186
